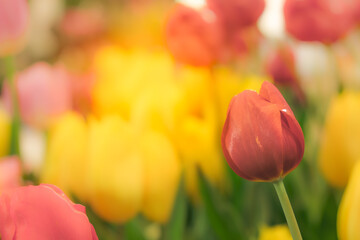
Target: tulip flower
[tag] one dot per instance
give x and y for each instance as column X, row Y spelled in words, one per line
column 80, row 24
column 339, row 149
column 44, row 94
column 116, row 169
column 66, row 158
column 279, row 232
column 348, row 218
column 194, row 36
column 280, row 64
column 261, row 139
column 14, row 20
column 161, row 175
column 42, row 212
column 237, row 14
column 317, row 20
column 10, row 173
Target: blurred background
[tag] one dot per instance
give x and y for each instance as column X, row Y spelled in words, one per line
column 121, row 104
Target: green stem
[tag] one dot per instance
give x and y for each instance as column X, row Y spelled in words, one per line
column 288, row 211
column 16, row 122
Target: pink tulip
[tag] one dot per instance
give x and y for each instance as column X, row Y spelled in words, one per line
column 44, row 93
column 13, row 24
column 10, row 173
column 42, row 212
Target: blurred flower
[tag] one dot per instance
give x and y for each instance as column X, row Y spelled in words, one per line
column 261, row 139
column 161, row 176
column 339, row 148
column 280, row 64
column 82, row 87
column 66, row 158
column 123, row 75
column 14, row 20
column 317, row 20
column 236, row 14
column 348, row 214
column 228, row 84
column 279, row 232
column 42, row 212
column 194, row 36
column 4, row 133
column 196, row 132
column 10, row 173
column 177, row 102
column 80, row 24
column 116, row 169
column 44, row 94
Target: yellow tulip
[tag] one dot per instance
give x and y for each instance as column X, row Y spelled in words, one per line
column 339, row 149
column 348, row 219
column 66, row 159
column 122, row 76
column 4, row 133
column 196, row 135
column 228, row 84
column 115, row 169
column 279, row 232
column 161, row 176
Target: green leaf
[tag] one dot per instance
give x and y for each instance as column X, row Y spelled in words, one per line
column 175, row 228
column 223, row 217
column 133, row 230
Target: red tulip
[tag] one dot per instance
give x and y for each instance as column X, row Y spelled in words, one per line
column 317, row 20
column 280, row 65
column 40, row 213
column 237, row 14
column 13, row 24
column 261, row 139
column 82, row 24
column 194, row 36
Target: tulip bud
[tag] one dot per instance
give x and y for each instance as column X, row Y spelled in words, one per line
column 194, row 36
column 42, row 212
column 13, row 24
column 348, row 218
column 261, row 139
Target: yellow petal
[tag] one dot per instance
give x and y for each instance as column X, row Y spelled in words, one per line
column 66, row 159
column 161, row 176
column 279, row 232
column 340, row 146
column 115, row 169
column 349, row 210
column 4, row 133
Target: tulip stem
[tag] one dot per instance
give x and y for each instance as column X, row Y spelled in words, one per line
column 16, row 122
column 288, row 211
